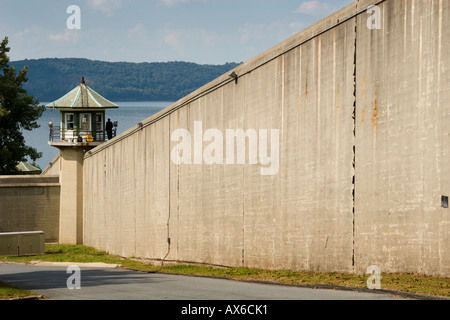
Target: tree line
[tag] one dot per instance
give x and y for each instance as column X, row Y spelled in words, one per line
column 50, row 79
column 24, row 85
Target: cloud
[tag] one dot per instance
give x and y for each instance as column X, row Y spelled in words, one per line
column 173, row 38
column 180, row 41
column 297, row 25
column 177, row 37
column 31, row 32
column 108, row 7
column 256, row 38
column 137, row 32
column 172, row 3
column 67, row 36
column 252, row 33
column 314, row 7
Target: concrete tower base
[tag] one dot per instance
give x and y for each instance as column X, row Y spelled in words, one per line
column 71, row 214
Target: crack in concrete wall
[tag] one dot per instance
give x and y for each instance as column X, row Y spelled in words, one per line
column 348, row 194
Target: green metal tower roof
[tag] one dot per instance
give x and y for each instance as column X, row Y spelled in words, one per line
column 26, row 168
column 82, row 97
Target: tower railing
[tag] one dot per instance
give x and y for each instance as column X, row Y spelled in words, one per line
column 77, row 135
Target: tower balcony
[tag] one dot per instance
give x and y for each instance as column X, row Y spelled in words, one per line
column 82, row 119
column 77, row 138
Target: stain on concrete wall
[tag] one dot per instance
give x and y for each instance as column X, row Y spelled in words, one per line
column 363, row 139
column 401, row 167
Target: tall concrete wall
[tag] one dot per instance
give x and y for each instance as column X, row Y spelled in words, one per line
column 403, row 135
column 361, row 116
column 30, row 203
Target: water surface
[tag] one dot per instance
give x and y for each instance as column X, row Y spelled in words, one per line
column 128, row 115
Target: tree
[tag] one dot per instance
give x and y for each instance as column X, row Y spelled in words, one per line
column 18, row 111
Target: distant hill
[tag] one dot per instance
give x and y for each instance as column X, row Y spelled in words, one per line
column 50, row 79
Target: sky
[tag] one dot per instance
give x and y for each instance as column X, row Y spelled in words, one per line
column 199, row 31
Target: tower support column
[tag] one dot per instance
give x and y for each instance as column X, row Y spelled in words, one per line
column 71, row 205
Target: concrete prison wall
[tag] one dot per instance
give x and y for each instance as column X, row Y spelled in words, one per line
column 54, row 168
column 30, row 203
column 346, row 130
column 402, row 139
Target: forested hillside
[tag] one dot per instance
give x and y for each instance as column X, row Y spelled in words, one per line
column 49, row 79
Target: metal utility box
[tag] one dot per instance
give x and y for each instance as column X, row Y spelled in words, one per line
column 22, row 243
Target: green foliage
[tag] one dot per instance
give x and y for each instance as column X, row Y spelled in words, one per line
column 8, row 292
column 50, row 79
column 18, row 111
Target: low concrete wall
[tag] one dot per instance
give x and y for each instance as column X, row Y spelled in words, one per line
column 363, row 135
column 30, row 203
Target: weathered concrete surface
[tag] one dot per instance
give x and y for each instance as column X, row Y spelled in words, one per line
column 71, row 204
column 363, row 137
column 402, row 145
column 54, row 168
column 30, row 203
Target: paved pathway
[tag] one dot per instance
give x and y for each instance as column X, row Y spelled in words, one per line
column 102, row 283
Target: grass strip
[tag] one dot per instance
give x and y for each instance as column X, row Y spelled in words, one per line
column 8, row 292
column 402, row 282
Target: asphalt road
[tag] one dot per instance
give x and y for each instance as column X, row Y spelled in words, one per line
column 117, row 284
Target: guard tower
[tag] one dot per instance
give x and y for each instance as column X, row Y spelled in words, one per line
column 81, row 129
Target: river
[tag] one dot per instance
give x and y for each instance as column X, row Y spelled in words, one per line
column 128, row 115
